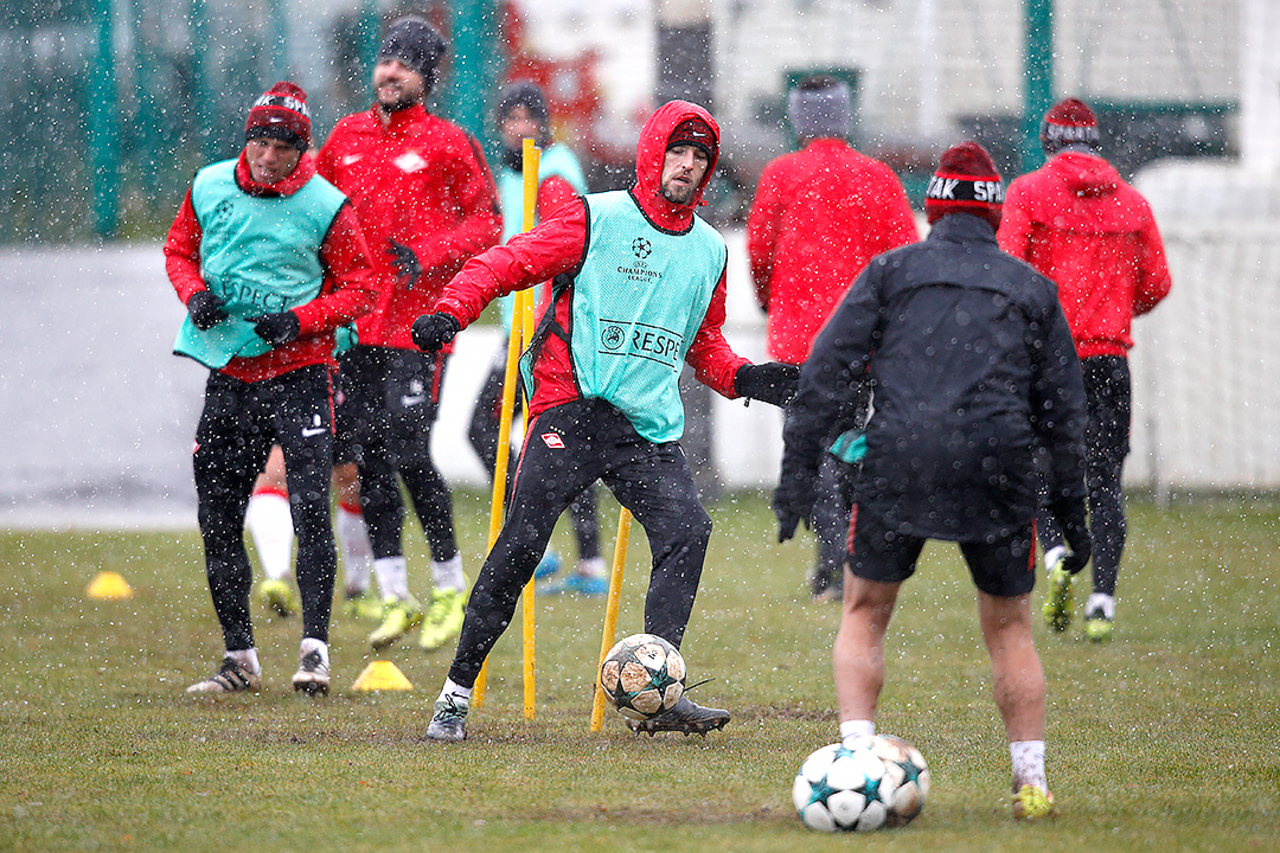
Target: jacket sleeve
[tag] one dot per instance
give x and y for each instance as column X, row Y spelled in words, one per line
column 553, row 193
column 1154, row 281
column 714, row 362
column 1014, row 235
column 182, row 252
column 763, row 223
column 348, row 291
column 832, row 375
column 479, row 219
column 555, row 246
column 1058, row 401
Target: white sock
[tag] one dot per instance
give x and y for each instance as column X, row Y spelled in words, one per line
column 353, row 541
column 592, row 568
column 247, row 659
column 311, row 644
column 1028, row 763
column 461, row 695
column 1101, row 600
column 851, row 730
column 1053, row 555
column 270, row 523
column 448, row 575
column 393, row 577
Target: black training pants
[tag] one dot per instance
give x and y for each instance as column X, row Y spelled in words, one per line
column 239, row 424
column 567, row 448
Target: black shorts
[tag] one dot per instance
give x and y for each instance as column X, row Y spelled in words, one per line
column 1004, row 568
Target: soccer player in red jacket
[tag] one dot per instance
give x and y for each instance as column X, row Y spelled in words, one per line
column 1077, row 222
column 427, row 203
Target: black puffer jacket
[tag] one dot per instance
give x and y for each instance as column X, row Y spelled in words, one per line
column 971, row 365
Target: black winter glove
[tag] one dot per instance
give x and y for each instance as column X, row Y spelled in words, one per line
column 432, row 331
column 205, row 308
column 277, row 329
column 774, row 382
column 1075, row 530
column 405, row 261
column 793, row 502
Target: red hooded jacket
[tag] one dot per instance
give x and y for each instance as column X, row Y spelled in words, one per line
column 345, row 294
column 819, row 215
column 419, row 181
column 558, row 245
column 1076, row 221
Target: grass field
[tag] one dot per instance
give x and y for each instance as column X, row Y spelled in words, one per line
column 1163, row 740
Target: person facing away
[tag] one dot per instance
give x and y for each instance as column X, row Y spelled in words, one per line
column 523, row 113
column 269, row 259
column 1079, row 223
column 971, row 364
column 427, row 203
column 819, row 215
column 638, row 290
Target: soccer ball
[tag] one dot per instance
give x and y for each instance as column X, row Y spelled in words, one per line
column 907, row 773
column 643, row 675
column 873, row 782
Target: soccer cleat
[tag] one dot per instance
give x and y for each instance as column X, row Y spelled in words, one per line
column 312, row 676
column 687, row 717
column 278, row 597
column 444, row 618
column 399, row 617
column 364, row 605
column 547, row 566
column 587, row 586
column 1097, row 627
column 1032, row 802
column 231, row 677
column 1058, row 606
column 448, row 721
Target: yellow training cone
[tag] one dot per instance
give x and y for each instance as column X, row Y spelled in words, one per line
column 109, row 585
column 381, row 675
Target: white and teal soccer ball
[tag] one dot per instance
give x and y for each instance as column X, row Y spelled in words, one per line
column 643, row 675
column 871, row 783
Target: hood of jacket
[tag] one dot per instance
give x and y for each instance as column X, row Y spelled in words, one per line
column 650, row 154
column 1086, row 175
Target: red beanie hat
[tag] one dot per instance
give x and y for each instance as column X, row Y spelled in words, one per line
column 281, row 113
column 695, row 132
column 1069, row 122
column 966, row 182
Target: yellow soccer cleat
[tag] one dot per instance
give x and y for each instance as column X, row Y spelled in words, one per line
column 399, row 617
column 278, row 597
column 1058, row 606
column 1032, row 802
column 444, row 618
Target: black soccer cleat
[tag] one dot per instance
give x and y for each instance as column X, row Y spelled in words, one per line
column 686, row 717
column 312, row 677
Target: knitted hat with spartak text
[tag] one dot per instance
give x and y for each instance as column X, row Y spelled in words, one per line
column 281, row 113
column 1069, row 122
column 966, row 182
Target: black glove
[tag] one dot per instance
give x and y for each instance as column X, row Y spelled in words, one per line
column 774, row 382
column 277, row 329
column 405, row 261
column 205, row 308
column 793, row 502
column 432, row 331
column 1075, row 530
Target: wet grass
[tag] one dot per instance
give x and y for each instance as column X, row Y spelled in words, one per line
column 1162, row 740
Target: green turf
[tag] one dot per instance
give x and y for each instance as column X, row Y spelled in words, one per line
column 1162, row 740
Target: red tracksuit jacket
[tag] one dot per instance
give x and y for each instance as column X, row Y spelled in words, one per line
column 1076, row 221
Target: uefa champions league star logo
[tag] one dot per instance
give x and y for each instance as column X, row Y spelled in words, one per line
column 641, row 248
column 613, row 337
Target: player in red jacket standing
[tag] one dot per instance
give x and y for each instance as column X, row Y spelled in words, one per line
column 819, row 215
column 1078, row 222
column 427, row 203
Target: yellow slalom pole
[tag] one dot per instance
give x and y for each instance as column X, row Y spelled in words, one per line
column 611, row 612
column 521, row 332
column 524, row 313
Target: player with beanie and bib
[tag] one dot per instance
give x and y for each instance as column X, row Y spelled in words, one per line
column 1078, row 222
column 972, row 367
column 638, row 290
column 269, row 259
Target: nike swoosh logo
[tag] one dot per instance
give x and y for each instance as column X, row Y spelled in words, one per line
column 412, row 401
column 309, row 432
